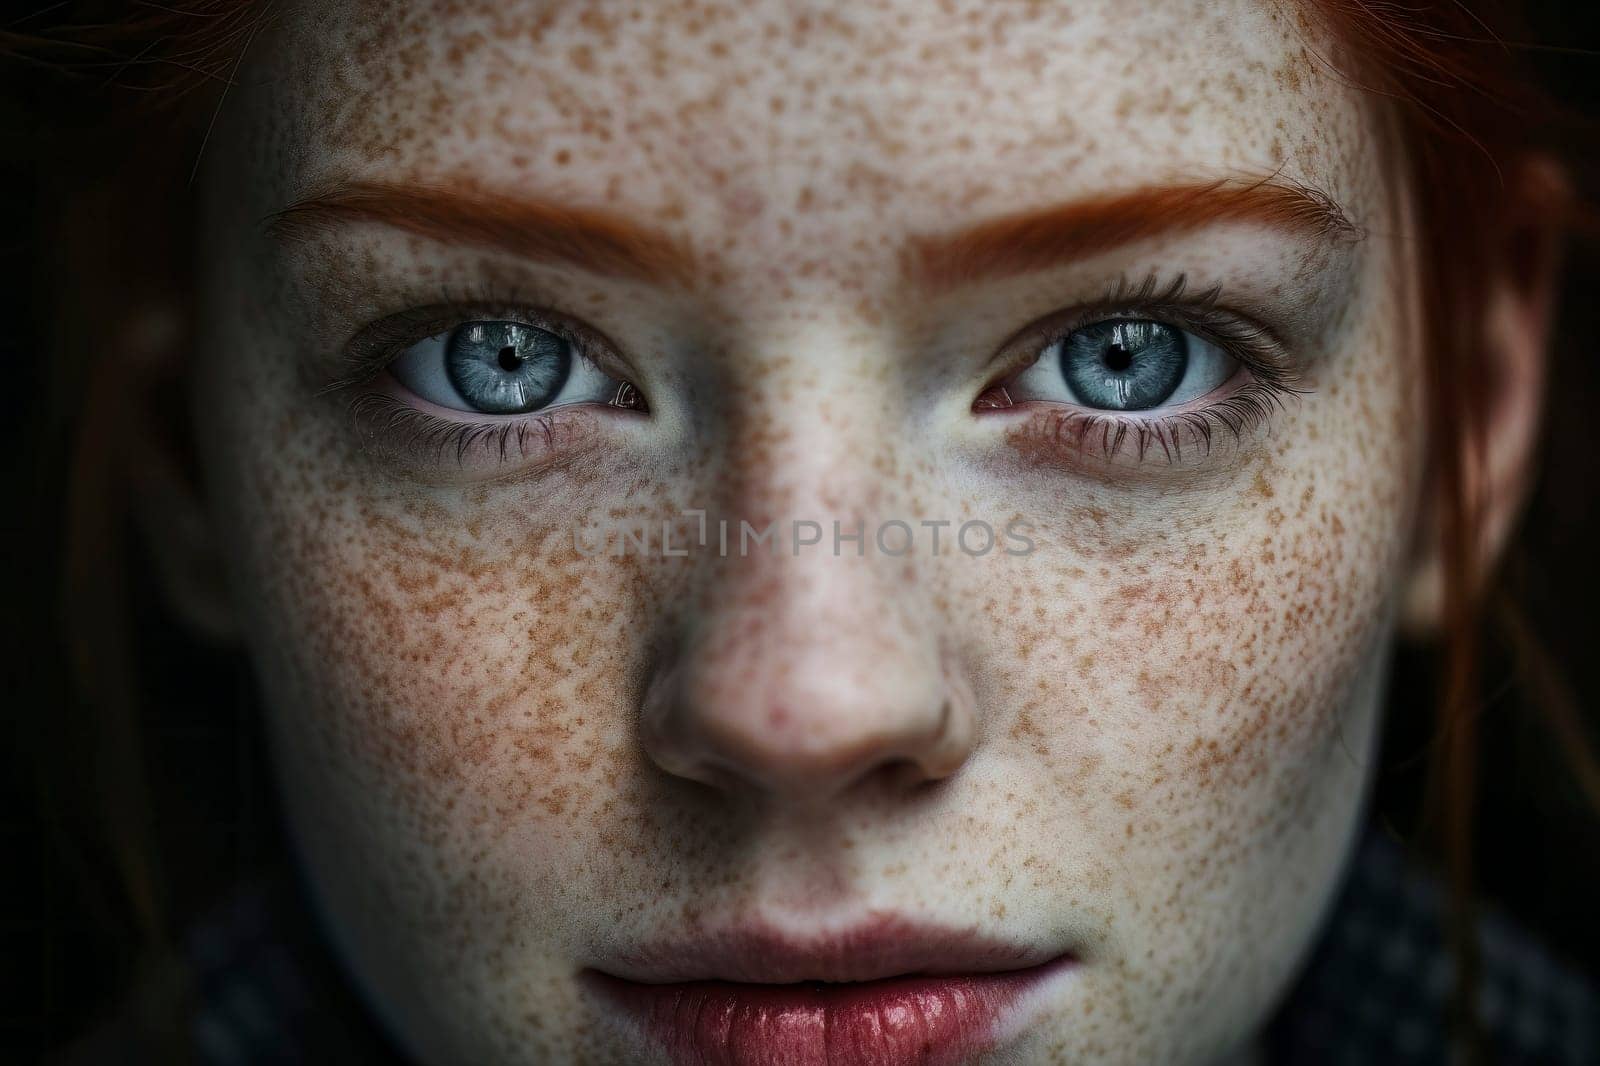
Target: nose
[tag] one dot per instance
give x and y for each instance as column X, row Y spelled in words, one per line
column 802, row 670
column 805, row 677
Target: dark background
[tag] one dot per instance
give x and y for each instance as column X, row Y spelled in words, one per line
column 69, row 948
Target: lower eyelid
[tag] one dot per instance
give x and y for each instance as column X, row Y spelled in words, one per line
column 1177, row 437
column 412, row 433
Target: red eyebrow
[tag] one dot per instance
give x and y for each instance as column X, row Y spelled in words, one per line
column 606, row 243
column 1037, row 239
column 589, row 238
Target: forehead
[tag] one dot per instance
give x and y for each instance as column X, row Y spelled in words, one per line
column 777, row 116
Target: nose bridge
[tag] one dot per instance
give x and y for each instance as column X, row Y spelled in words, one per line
column 811, row 660
column 809, row 414
column 809, row 465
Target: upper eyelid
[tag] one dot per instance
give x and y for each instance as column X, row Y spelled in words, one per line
column 1028, row 345
column 414, row 325
column 1204, row 312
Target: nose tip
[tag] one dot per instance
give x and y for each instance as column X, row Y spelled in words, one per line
column 807, row 724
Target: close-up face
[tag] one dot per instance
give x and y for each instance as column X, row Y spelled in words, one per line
column 1092, row 326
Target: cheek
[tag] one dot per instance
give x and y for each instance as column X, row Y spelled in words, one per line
column 441, row 669
column 1196, row 675
column 1261, row 606
column 1210, row 659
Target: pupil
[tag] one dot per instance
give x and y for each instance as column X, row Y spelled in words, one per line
column 509, row 360
column 1118, row 358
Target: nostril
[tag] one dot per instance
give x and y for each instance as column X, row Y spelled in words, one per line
column 803, row 723
column 909, row 775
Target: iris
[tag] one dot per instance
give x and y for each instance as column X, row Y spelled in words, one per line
column 1124, row 364
column 506, row 367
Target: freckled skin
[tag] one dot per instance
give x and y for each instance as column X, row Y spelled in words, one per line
column 1146, row 742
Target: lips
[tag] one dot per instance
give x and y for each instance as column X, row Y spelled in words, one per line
column 888, row 993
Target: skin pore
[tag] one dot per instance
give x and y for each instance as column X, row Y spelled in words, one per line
column 504, row 762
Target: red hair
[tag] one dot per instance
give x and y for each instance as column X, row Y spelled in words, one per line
column 1466, row 112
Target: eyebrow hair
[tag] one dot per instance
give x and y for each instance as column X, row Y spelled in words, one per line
column 1036, row 239
column 590, row 238
column 603, row 242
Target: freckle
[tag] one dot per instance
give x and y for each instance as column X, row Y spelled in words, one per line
column 555, row 801
column 563, row 157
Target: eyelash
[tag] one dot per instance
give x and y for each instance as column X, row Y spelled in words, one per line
column 397, row 424
column 1273, row 380
column 381, row 342
column 393, row 423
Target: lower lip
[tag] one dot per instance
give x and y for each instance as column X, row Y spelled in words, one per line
column 927, row 1020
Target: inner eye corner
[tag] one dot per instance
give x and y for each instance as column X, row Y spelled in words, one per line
column 995, row 396
column 627, row 397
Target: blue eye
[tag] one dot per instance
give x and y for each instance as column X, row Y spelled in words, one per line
column 1125, row 364
column 501, row 368
column 506, row 368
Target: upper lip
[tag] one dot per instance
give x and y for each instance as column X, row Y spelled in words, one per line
column 883, row 946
